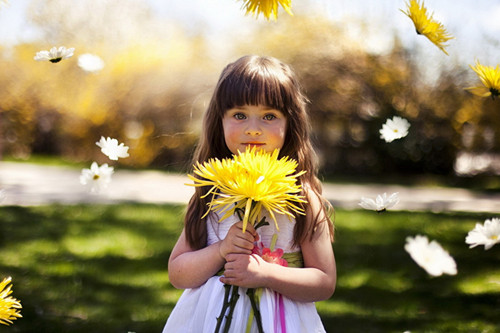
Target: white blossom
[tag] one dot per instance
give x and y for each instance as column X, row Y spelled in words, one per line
column 112, row 149
column 381, row 202
column 430, row 256
column 97, row 177
column 2, row 195
column 395, row 128
column 90, row 63
column 55, row 54
column 487, row 234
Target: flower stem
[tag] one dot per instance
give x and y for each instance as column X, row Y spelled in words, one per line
column 232, row 305
column 225, row 304
column 256, row 310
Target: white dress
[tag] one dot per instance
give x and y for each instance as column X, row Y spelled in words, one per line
column 197, row 309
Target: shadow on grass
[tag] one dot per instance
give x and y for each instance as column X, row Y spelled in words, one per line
column 90, row 268
column 381, row 289
column 93, row 268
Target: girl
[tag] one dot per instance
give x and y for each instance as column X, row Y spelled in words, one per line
column 257, row 102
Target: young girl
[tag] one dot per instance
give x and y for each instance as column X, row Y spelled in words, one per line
column 258, row 103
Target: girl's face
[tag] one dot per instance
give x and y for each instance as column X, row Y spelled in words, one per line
column 254, row 125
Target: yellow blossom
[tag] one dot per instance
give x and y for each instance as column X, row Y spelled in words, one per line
column 251, row 181
column 426, row 25
column 9, row 306
column 269, row 8
column 490, row 77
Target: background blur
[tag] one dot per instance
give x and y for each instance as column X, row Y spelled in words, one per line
column 360, row 62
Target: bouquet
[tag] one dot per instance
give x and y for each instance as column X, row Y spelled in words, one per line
column 248, row 183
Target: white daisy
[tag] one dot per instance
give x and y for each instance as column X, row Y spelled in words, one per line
column 395, row 128
column 430, row 256
column 112, row 149
column 90, row 63
column 97, row 177
column 381, row 202
column 487, row 234
column 55, row 54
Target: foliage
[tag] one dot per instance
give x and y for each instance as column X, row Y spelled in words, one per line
column 93, row 268
column 152, row 92
column 353, row 91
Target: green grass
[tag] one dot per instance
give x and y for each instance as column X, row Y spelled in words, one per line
column 45, row 160
column 99, row 268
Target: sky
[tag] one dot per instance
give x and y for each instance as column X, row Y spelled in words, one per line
column 474, row 23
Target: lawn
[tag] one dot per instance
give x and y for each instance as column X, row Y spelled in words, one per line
column 103, row 268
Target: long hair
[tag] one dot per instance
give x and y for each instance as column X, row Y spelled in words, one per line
column 256, row 80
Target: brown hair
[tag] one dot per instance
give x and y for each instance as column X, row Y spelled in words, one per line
column 256, row 80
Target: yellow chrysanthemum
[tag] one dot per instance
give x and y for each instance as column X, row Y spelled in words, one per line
column 251, row 181
column 426, row 25
column 490, row 77
column 9, row 306
column 269, row 8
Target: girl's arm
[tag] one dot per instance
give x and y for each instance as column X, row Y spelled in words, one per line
column 315, row 282
column 190, row 268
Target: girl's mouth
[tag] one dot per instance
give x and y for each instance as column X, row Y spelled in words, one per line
column 254, row 144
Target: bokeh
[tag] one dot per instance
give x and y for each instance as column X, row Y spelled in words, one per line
column 158, row 76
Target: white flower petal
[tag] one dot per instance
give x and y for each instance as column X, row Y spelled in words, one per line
column 42, row 55
column 368, row 203
column 54, row 54
column 112, row 149
column 90, row 63
column 97, row 177
column 395, row 128
column 381, row 202
column 430, row 256
column 487, row 234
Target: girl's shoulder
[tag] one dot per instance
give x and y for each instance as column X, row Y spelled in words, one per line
column 313, row 196
column 318, row 210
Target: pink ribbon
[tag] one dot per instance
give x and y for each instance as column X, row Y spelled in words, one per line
column 279, row 307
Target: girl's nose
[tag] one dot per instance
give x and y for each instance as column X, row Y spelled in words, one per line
column 253, row 129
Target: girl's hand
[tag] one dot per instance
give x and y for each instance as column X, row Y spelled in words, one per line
column 244, row 270
column 238, row 242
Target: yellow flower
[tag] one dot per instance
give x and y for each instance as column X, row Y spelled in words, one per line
column 9, row 306
column 251, row 181
column 269, row 8
column 490, row 77
column 426, row 25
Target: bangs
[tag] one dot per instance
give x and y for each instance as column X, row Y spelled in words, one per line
column 255, row 86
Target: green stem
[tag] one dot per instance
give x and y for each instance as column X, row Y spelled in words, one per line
column 239, row 212
column 255, row 308
column 232, row 305
column 225, row 304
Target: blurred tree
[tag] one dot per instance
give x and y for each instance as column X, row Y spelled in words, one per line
column 157, row 81
column 353, row 91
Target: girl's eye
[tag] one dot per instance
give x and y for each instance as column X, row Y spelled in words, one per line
column 239, row 116
column 269, row 116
